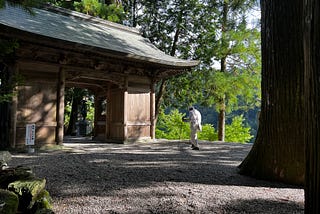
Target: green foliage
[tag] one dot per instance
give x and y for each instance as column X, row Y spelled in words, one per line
column 7, row 47
column 9, row 202
column 208, row 133
column 111, row 12
column 237, row 131
column 90, row 109
column 67, row 113
column 8, row 81
column 74, row 95
column 196, row 29
column 43, row 201
column 172, row 127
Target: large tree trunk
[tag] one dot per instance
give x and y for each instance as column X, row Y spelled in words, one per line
column 73, row 116
column 77, row 96
column 222, row 120
column 278, row 151
column 312, row 104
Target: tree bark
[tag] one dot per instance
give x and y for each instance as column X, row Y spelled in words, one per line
column 223, row 68
column 76, row 99
column 311, row 17
column 222, row 120
column 222, row 107
column 134, row 18
column 278, row 151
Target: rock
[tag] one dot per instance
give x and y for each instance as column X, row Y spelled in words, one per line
column 27, row 191
column 9, row 202
column 43, row 201
column 10, row 175
column 5, row 157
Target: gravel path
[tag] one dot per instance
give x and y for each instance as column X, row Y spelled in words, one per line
column 160, row 177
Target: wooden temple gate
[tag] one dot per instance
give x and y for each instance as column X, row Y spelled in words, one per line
column 111, row 60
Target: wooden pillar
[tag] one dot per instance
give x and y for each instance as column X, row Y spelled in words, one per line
column 13, row 116
column 60, row 107
column 125, row 110
column 97, row 111
column 152, row 111
column 108, row 117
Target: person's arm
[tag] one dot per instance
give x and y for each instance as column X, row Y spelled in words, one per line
column 185, row 119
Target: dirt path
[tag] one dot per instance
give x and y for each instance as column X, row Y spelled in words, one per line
column 161, row 177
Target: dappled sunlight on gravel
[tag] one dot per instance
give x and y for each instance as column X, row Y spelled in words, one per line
column 159, row 177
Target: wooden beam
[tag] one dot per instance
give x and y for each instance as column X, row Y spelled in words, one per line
column 108, row 114
column 91, row 86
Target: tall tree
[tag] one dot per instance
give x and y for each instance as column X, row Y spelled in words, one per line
column 230, row 42
column 311, row 17
column 168, row 24
column 278, row 151
column 192, row 29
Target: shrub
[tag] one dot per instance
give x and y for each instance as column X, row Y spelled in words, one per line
column 208, row 133
column 172, row 127
column 237, row 131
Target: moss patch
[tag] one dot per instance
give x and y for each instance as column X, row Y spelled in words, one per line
column 9, row 202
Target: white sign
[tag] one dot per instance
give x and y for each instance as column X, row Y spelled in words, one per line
column 30, row 134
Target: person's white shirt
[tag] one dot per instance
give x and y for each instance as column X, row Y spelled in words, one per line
column 195, row 118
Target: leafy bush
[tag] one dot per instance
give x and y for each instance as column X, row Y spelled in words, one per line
column 237, row 131
column 208, row 133
column 172, row 127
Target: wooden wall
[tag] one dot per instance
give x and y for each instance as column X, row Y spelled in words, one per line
column 129, row 110
column 138, row 108
column 138, row 111
column 37, row 104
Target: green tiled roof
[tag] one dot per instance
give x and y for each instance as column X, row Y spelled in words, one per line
column 71, row 26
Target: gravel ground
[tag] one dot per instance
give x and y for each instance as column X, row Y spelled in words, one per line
column 159, row 177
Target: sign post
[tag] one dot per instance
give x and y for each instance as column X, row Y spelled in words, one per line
column 30, row 136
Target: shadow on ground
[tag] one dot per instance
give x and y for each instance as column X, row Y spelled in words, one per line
column 270, row 206
column 90, row 167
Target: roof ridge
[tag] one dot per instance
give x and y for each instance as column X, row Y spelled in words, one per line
column 67, row 12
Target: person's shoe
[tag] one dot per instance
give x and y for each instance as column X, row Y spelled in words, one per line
column 195, row 148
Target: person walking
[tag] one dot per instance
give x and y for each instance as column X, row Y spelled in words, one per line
column 195, row 126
